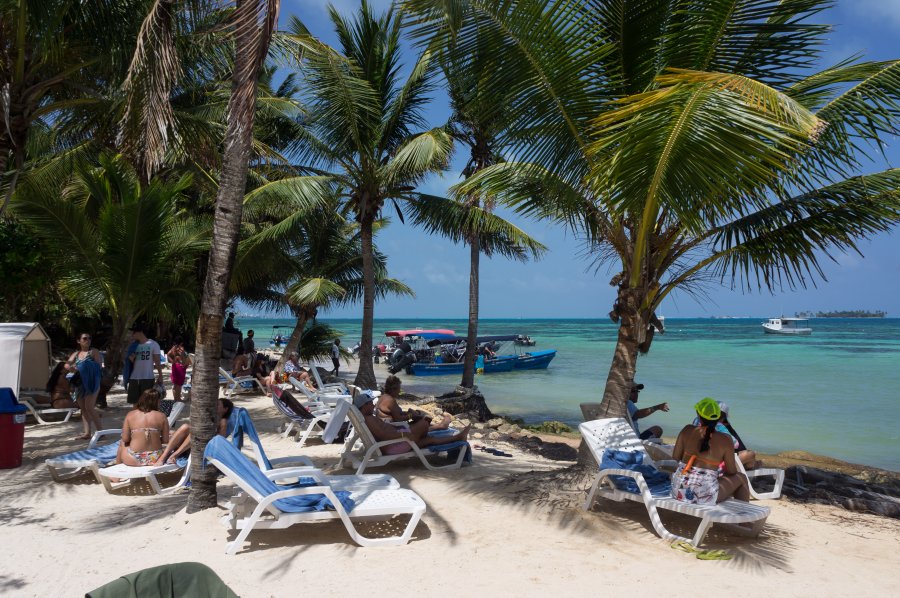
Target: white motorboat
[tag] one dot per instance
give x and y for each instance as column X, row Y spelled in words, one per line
column 788, row 326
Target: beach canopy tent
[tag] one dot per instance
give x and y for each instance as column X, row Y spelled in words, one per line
column 26, row 357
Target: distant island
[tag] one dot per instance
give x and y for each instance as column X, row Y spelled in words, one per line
column 855, row 313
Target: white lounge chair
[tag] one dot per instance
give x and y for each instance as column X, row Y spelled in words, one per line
column 616, row 433
column 288, row 506
column 125, row 475
column 238, row 385
column 39, row 410
column 310, row 422
column 362, row 450
column 330, row 387
column 64, row 467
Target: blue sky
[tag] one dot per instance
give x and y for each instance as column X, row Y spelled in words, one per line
column 564, row 283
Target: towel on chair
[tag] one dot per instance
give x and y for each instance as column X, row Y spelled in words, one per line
column 658, row 481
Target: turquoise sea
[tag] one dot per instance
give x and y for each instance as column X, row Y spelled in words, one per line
column 835, row 393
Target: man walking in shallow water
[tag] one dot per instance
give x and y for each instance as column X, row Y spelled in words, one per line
column 635, row 414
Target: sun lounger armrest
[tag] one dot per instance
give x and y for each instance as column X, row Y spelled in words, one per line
column 101, row 433
column 292, row 472
column 301, row 461
column 667, row 464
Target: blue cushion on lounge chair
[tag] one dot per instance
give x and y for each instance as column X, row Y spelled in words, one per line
column 103, row 454
column 221, row 450
column 452, row 448
column 658, row 481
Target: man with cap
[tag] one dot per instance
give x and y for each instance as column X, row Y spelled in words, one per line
column 416, row 432
column 635, row 414
column 144, row 360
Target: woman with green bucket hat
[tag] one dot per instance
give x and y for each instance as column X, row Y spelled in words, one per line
column 699, row 450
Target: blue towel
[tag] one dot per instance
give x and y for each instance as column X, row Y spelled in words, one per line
column 126, row 372
column 102, row 454
column 658, row 481
column 452, row 448
column 221, row 450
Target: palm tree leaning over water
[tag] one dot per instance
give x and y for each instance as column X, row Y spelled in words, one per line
column 685, row 141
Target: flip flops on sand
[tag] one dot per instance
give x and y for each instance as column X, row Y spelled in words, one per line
column 492, row 451
column 703, row 555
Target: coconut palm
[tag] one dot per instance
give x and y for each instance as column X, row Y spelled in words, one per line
column 686, row 141
column 479, row 120
column 307, row 260
column 121, row 248
column 53, row 54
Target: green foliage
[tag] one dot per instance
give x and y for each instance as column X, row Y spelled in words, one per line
column 27, row 274
column 317, row 340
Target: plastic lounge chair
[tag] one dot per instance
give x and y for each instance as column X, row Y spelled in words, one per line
column 369, row 452
column 64, row 467
column 127, row 474
column 309, row 423
column 616, row 433
column 329, row 398
column 37, row 410
column 288, row 506
column 239, row 385
column 778, row 474
column 330, row 387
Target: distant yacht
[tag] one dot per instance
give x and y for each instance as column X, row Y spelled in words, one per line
column 788, row 326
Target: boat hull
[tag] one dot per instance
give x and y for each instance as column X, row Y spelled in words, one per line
column 491, row 366
column 788, row 332
column 533, row 360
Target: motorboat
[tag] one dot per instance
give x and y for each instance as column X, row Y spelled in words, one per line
column 448, row 358
column 787, row 326
column 523, row 340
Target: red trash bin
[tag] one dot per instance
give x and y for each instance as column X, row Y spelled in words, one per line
column 12, row 429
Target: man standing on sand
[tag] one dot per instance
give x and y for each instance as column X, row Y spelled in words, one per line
column 336, row 355
column 143, row 361
column 635, row 414
column 250, row 349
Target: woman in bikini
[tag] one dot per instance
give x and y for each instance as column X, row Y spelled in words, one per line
column 699, row 450
column 144, row 432
column 86, row 361
column 181, row 439
column 180, row 361
column 59, row 391
column 389, row 411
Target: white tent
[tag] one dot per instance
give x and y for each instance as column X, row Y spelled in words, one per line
column 24, row 356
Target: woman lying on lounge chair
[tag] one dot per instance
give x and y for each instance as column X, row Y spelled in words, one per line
column 390, row 411
column 145, row 431
column 181, row 439
column 416, row 432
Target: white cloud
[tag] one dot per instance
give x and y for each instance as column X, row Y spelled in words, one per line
column 440, row 273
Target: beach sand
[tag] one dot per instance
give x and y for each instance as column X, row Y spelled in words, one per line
column 491, row 528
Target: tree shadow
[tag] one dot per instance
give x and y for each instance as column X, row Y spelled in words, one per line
column 8, row 583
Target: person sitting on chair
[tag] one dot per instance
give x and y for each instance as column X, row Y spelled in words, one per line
column 388, row 409
column 293, row 369
column 59, row 390
column 240, row 366
column 416, row 432
column 699, row 450
column 261, row 372
column 145, row 431
column 181, row 439
column 635, row 414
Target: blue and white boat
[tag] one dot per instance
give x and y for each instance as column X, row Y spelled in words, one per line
column 448, row 358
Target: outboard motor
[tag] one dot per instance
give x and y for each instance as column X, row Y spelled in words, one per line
column 405, row 360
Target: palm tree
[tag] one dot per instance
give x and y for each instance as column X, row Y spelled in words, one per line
column 684, row 140
column 121, row 247
column 53, row 54
column 479, row 120
column 306, row 260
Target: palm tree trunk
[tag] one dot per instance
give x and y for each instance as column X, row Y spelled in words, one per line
column 632, row 330
column 365, row 375
column 226, row 233
column 293, row 343
column 468, row 377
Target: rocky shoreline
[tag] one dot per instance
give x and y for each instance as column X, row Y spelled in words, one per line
column 809, row 478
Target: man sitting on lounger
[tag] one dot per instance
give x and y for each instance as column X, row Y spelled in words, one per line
column 416, row 432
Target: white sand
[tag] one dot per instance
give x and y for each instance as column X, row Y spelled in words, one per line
column 480, row 535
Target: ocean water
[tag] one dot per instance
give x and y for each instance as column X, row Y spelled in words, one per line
column 835, row 393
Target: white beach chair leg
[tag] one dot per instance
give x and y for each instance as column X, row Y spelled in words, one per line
column 154, row 483
column 592, row 493
column 705, row 523
column 248, row 525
